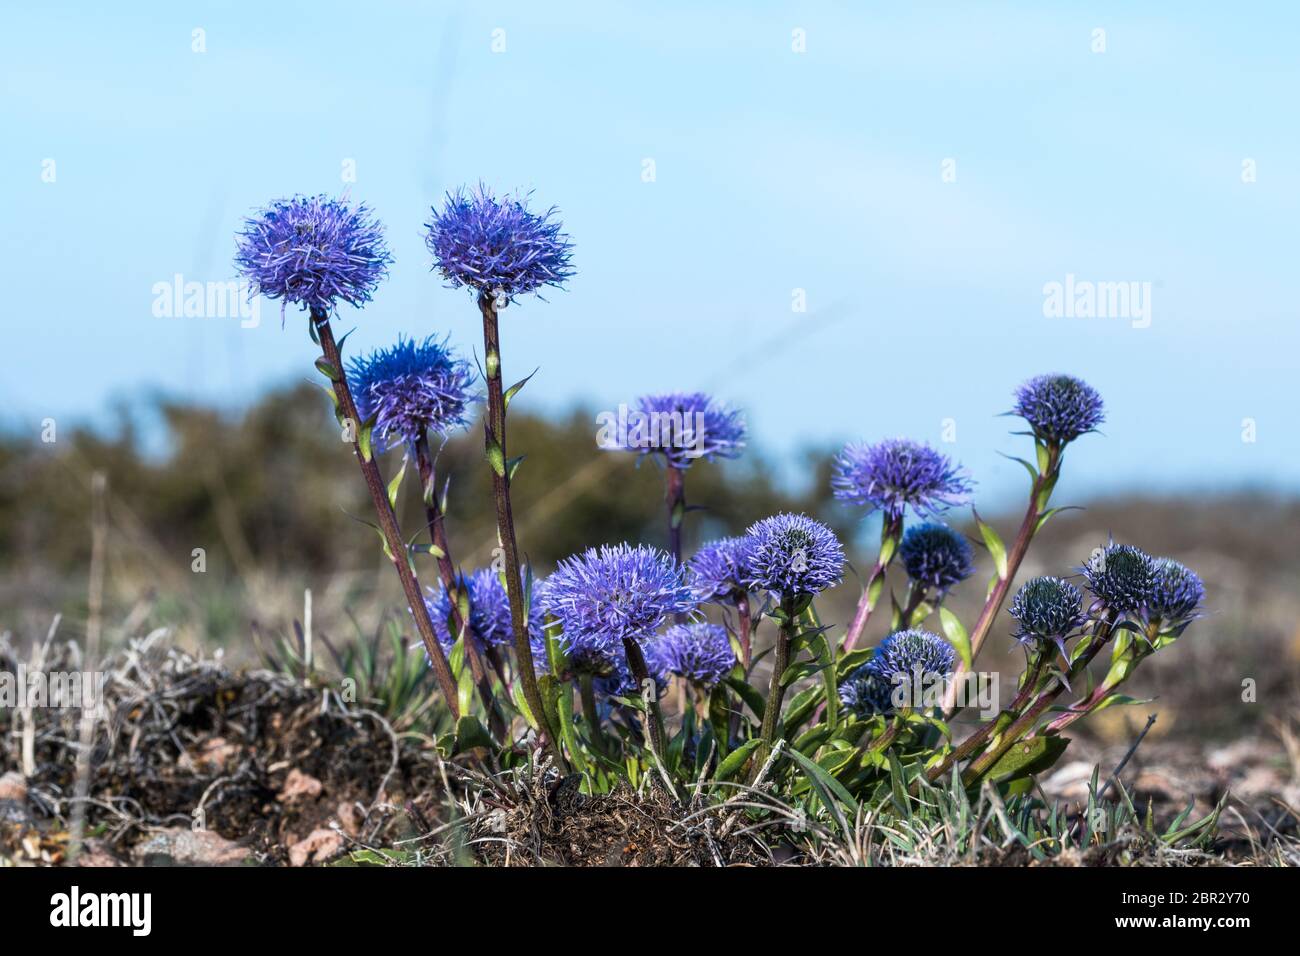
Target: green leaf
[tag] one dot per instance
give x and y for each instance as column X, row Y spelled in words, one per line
column 495, row 457
column 828, row 788
column 470, row 733
column 513, row 390
column 512, row 466
column 736, row 760
column 996, row 548
column 800, row 670
column 955, row 631
column 752, row 698
column 326, row 369
column 396, row 483
column 1030, row 756
column 364, row 437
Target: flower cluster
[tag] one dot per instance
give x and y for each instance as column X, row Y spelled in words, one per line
column 936, row 556
column 700, row 652
column 908, row 657
column 603, row 597
column 1059, row 408
column 314, row 251
column 1121, row 577
column 896, row 474
column 411, row 389
column 683, row 427
column 496, row 245
column 721, row 569
column 794, row 555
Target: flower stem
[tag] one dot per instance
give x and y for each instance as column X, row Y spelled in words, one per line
column 775, row 691
column 494, row 428
column 744, row 626
column 977, row 740
column 652, row 719
column 1025, row 722
column 397, row 550
column 890, row 532
column 447, row 574
column 586, row 688
column 1038, row 496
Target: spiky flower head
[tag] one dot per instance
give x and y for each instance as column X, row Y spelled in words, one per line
column 620, row 592
column 1177, row 594
column 1059, row 408
column 700, row 652
column 720, row 570
column 936, row 556
column 497, row 246
column 911, row 651
column 865, row 693
column 314, row 251
column 1048, row 609
column 794, row 555
column 412, row 388
column 489, row 611
column 911, row 659
column 1121, row 577
column 683, row 427
column 897, row 473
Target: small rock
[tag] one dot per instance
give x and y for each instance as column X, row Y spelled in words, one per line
column 319, row 846
column 216, row 753
column 13, row 786
column 93, row 853
column 298, row 784
column 350, row 818
column 184, row 847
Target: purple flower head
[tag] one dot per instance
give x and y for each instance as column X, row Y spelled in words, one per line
column 794, row 555
column 489, row 611
column 866, row 694
column 412, row 388
column 905, row 652
column 1121, row 577
column 1048, row 609
column 496, row 245
column 905, row 659
column 701, row 653
column 896, row 473
column 720, row 570
column 1177, row 595
column 314, row 251
column 936, row 556
column 682, row 426
column 1059, row 408
column 603, row 597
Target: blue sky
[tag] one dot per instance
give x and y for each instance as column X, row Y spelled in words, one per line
column 774, row 170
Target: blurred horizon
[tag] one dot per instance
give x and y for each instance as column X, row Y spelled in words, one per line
column 917, row 178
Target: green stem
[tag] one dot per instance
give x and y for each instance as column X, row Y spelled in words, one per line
column 775, row 691
column 891, row 530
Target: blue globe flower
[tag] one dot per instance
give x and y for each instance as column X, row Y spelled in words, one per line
column 701, row 653
column 896, row 474
column 794, row 555
column 603, row 597
column 720, row 570
column 1121, row 577
column 865, row 693
column 411, row 389
column 1059, row 408
column 684, row 427
column 1177, row 594
column 497, row 246
column 936, row 556
column 904, row 661
column 1048, row 609
column 489, row 611
column 313, row 251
